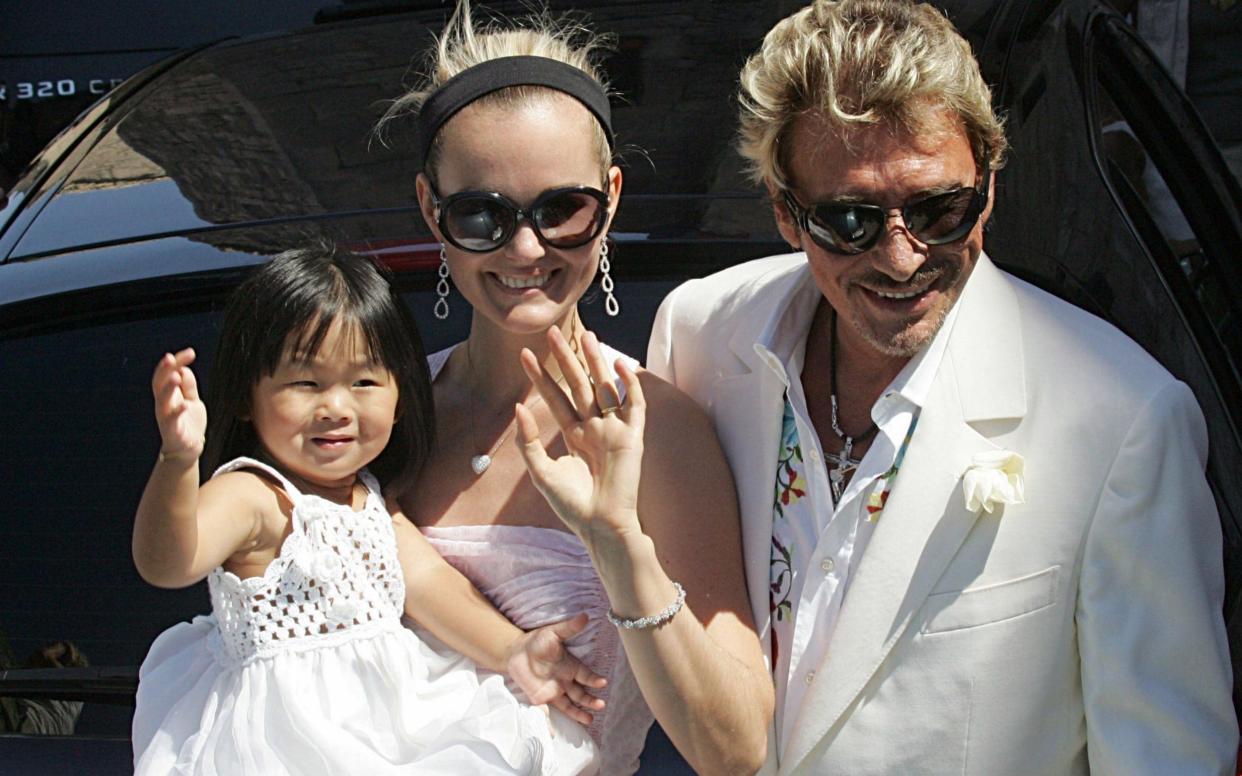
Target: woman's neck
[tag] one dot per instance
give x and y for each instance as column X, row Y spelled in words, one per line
column 490, row 356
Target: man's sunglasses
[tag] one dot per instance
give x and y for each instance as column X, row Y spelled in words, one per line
column 851, row 228
column 482, row 221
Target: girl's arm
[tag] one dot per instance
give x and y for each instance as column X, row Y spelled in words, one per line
column 702, row 671
column 444, row 602
column 180, row 532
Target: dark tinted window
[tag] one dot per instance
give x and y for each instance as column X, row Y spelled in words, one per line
column 1147, row 168
column 80, row 442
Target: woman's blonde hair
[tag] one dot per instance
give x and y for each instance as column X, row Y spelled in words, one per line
column 861, row 62
column 466, row 42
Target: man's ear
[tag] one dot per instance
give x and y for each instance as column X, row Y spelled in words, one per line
column 986, row 215
column 785, row 223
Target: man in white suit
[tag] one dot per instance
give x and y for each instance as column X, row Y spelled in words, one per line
column 978, row 537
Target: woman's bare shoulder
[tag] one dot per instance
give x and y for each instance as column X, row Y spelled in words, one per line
column 671, row 414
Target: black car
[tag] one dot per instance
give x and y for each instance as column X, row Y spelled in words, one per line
column 57, row 57
column 123, row 237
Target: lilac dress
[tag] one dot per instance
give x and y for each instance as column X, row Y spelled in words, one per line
column 536, row 576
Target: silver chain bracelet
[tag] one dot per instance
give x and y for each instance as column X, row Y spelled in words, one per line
column 655, row 620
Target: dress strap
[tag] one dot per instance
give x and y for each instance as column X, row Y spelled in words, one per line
column 294, row 494
column 437, row 360
column 370, row 483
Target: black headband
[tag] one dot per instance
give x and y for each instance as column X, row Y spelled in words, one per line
column 496, row 74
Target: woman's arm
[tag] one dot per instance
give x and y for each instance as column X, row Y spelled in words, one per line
column 180, row 533
column 703, row 675
column 702, row 672
column 444, row 602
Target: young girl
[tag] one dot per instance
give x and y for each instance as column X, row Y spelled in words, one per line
column 320, row 394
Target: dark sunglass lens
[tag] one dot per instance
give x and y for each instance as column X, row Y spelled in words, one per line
column 850, row 229
column 569, row 219
column 942, row 218
column 478, row 223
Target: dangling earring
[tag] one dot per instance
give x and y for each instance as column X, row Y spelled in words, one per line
column 611, row 305
column 442, row 288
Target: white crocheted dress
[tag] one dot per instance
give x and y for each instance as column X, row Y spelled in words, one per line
column 308, row 670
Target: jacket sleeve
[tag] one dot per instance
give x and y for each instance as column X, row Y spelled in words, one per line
column 660, row 346
column 1156, row 675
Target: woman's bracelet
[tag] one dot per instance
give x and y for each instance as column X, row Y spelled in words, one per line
column 655, row 620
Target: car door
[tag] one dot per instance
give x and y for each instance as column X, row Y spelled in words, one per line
column 1117, row 198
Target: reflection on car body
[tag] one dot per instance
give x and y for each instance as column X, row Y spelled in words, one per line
column 59, row 56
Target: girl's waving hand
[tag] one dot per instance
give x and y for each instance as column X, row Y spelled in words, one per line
column 180, row 413
column 180, row 533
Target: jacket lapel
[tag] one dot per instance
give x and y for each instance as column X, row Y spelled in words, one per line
column 747, row 411
column 925, row 520
column 746, row 402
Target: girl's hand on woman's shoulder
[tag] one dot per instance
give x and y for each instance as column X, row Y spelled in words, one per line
column 593, row 489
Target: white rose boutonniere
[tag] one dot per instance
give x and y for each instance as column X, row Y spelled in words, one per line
column 993, row 477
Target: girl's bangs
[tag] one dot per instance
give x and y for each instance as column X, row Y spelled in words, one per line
column 303, row 343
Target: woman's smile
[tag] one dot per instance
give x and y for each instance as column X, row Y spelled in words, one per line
column 523, row 282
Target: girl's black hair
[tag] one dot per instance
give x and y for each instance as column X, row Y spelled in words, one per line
column 288, row 305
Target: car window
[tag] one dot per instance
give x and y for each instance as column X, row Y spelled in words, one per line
column 80, row 444
column 1147, row 165
column 1170, row 180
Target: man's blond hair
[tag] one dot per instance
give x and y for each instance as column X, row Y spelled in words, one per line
column 854, row 63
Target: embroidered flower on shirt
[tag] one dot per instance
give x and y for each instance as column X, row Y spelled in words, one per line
column 993, row 478
column 782, row 580
column 790, row 489
column 878, row 499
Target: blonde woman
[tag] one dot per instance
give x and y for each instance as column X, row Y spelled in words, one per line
column 518, row 184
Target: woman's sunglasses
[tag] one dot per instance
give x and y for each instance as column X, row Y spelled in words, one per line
column 851, row 228
column 482, row 221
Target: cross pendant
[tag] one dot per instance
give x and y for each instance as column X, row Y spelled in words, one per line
column 842, row 465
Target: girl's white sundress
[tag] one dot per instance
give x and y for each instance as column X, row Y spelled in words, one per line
column 308, row 670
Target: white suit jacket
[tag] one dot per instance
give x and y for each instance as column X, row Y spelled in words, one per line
column 1080, row 630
